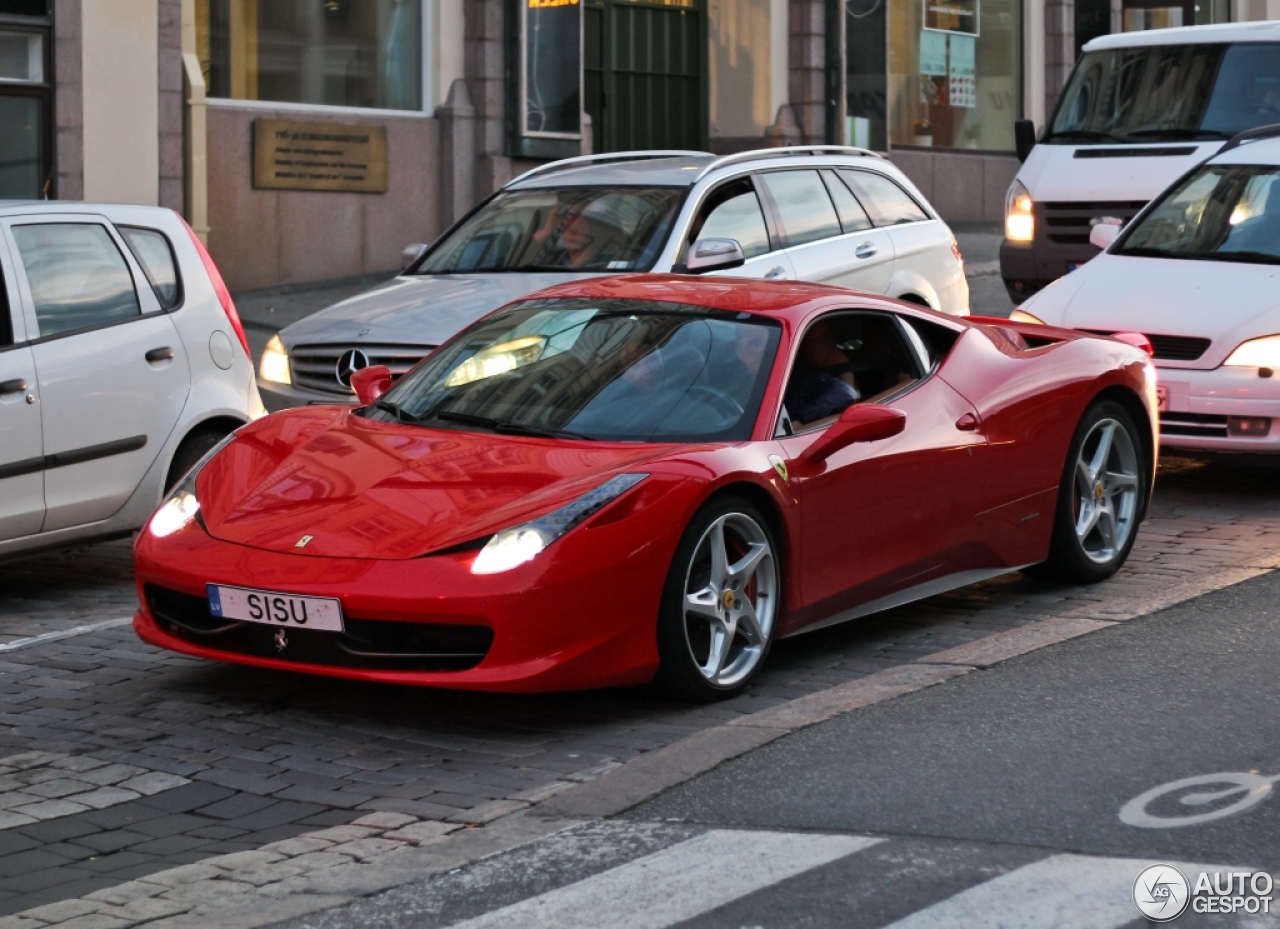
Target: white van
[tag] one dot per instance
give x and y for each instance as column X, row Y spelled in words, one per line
column 1141, row 109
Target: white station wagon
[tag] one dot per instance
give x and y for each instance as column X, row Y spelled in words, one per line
column 122, row 362
column 831, row 215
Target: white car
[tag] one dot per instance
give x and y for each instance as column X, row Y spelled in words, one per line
column 122, row 362
column 831, row 215
column 1197, row 272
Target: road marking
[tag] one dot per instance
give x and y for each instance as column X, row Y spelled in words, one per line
column 63, row 634
column 675, row 884
column 1247, row 787
column 1064, row 891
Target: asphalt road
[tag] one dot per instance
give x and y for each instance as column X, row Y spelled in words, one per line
column 992, row 800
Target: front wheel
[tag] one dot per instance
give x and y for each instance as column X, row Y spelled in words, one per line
column 720, row 604
column 1100, row 498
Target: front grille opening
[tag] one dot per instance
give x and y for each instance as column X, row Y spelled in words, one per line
column 1170, row 347
column 371, row 644
column 1067, row 222
column 315, row 367
column 1202, row 425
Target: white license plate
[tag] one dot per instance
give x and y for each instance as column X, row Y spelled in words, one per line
column 275, row 609
column 1162, row 398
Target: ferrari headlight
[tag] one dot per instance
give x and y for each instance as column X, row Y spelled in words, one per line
column 512, row 547
column 274, row 366
column 182, row 505
column 1022, row 316
column 1256, row 353
column 1019, row 222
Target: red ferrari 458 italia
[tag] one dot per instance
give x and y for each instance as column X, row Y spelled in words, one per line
column 637, row 479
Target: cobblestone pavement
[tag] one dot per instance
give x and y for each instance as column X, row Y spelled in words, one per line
column 199, row 761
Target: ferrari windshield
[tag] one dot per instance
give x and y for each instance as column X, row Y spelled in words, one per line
column 1220, row 213
column 1156, row 93
column 574, row 229
column 624, row 370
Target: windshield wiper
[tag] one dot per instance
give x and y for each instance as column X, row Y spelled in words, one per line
column 1187, row 135
column 401, row 415
column 1250, row 257
column 505, row 426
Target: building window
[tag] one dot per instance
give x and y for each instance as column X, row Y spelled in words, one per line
column 26, row 169
column 954, row 73
column 356, row 53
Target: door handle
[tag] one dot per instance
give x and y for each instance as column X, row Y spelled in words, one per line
column 776, row 273
column 967, row 423
column 157, row 355
column 15, row 386
column 865, row 250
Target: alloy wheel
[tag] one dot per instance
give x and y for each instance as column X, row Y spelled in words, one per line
column 1107, row 484
column 730, row 597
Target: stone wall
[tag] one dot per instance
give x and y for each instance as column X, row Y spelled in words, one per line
column 963, row 188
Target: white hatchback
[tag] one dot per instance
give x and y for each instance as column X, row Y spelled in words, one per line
column 1198, row 272
column 122, row 362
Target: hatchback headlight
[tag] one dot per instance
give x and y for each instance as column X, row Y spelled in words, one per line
column 512, row 547
column 274, row 366
column 1019, row 221
column 1256, row 353
column 182, row 506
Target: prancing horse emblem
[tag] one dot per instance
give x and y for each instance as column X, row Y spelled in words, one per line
column 780, row 466
column 282, row 640
column 304, row 541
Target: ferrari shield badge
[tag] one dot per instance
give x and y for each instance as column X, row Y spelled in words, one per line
column 780, row 466
column 304, row 541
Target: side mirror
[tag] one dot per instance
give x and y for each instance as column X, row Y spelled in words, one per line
column 1103, row 235
column 714, row 255
column 410, row 254
column 1024, row 137
column 859, row 423
column 371, row 383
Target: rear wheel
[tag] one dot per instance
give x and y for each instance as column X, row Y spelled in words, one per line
column 1100, row 498
column 720, row 603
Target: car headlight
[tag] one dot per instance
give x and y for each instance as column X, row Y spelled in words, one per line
column 274, row 366
column 1256, row 353
column 1019, row 221
column 512, row 547
column 182, row 506
column 1022, row 316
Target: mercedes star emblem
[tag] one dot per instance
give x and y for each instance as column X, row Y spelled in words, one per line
column 349, row 363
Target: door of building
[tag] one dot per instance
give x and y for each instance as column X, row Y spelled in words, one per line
column 644, row 70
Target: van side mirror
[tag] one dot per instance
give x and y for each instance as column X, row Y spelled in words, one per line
column 410, row 254
column 859, row 423
column 1024, row 137
column 714, row 255
column 1103, row 235
column 371, row 383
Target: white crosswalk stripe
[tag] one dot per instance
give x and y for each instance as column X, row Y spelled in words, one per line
column 677, row 883
column 1063, row 891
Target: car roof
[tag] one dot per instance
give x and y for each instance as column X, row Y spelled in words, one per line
column 680, row 169
column 27, row 207
column 1262, row 31
column 790, row 299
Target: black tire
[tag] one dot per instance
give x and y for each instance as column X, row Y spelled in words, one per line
column 680, row 633
column 193, row 448
column 1089, row 559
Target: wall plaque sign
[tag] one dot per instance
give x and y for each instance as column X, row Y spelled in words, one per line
column 291, row 155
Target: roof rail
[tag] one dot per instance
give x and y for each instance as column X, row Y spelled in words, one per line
column 1251, row 135
column 566, row 163
column 759, row 153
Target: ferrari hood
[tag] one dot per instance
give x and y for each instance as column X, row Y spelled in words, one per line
column 416, row 309
column 362, row 489
column 1225, row 302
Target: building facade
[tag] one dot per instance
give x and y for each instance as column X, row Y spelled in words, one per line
column 314, row 139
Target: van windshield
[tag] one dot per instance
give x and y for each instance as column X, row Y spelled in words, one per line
column 1169, row 93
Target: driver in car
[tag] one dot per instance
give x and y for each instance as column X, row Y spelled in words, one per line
column 814, row 393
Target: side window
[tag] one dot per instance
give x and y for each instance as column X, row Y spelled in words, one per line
column 6, row 321
column 803, row 206
column 733, row 212
column 852, row 216
column 155, row 254
column 78, row 277
column 886, row 202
